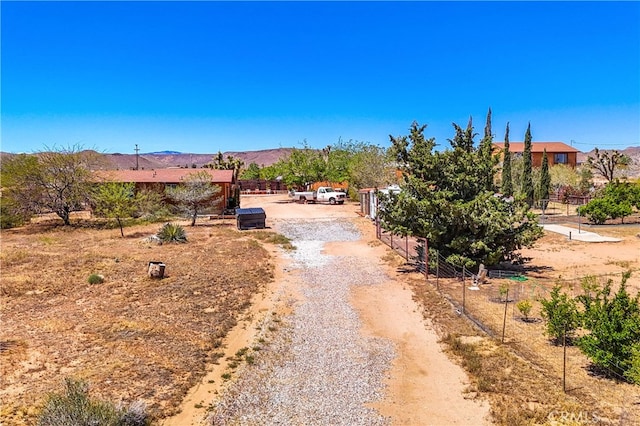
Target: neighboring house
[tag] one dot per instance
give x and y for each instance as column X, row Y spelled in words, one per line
column 557, row 152
column 369, row 199
column 159, row 179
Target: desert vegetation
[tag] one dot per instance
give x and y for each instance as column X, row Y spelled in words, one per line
column 128, row 338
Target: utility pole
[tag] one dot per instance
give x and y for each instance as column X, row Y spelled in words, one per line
column 137, row 166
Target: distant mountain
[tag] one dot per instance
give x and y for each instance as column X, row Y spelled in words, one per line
column 163, row 153
column 166, row 159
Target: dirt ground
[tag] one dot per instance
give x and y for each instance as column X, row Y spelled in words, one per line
column 52, row 328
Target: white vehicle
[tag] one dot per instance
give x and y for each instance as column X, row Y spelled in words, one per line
column 324, row 194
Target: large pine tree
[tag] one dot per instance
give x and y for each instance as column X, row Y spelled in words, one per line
column 527, row 169
column 445, row 200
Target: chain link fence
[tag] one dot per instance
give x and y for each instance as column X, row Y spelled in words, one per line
column 505, row 304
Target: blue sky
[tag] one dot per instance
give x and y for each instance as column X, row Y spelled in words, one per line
column 234, row 76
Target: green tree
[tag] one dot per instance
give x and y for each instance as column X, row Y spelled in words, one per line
column 605, row 163
column 195, row 193
column 487, row 158
column 371, row 167
column 444, row 199
column 56, row 180
column 545, row 180
column 527, row 188
column 251, row 172
column 561, row 314
column 116, row 200
column 614, row 330
column 507, row 181
column 616, row 200
column 303, row 167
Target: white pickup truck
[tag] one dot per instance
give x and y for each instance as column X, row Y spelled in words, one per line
column 324, row 194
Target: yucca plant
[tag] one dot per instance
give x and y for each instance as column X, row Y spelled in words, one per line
column 172, row 233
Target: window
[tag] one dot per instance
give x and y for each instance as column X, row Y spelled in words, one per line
column 561, row 158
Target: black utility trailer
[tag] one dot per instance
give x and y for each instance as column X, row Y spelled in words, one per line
column 251, row 218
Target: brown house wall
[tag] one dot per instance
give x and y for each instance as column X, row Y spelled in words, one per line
column 536, row 159
column 160, row 187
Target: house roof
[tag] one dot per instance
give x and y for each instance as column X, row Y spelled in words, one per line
column 162, row 175
column 557, row 147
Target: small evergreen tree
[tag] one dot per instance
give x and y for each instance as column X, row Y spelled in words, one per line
column 527, row 172
column 507, row 181
column 545, row 180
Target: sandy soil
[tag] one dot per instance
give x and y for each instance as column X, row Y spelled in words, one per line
column 423, row 385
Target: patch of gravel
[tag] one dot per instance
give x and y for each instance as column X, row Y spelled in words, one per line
column 316, row 369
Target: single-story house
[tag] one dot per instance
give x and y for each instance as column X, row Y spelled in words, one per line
column 159, row 179
column 557, row 152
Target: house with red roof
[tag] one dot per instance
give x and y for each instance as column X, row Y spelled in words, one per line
column 557, row 152
column 159, row 179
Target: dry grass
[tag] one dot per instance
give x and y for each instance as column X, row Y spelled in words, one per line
column 131, row 337
column 522, row 378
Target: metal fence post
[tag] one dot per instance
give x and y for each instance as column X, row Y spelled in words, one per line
column 464, row 290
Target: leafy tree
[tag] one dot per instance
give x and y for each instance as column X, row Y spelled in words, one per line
column 507, row 182
column 444, row 199
column 195, row 193
column 616, row 200
column 605, row 163
column 251, row 172
column 527, row 188
column 545, row 179
column 57, row 181
column 116, row 200
column 614, row 330
column 561, row 314
column 303, row 166
column 370, row 167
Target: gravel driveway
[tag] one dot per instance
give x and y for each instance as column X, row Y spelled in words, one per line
column 317, row 368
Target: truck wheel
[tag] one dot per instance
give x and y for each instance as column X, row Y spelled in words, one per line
column 303, row 200
column 332, row 201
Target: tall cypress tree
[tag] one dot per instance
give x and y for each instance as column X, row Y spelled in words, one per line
column 545, row 179
column 487, row 160
column 527, row 179
column 507, row 181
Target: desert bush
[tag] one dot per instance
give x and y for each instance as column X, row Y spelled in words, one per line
column 525, row 306
column 74, row 407
column 95, row 279
column 172, row 233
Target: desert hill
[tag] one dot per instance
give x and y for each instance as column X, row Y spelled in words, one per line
column 165, row 159
column 266, row 157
